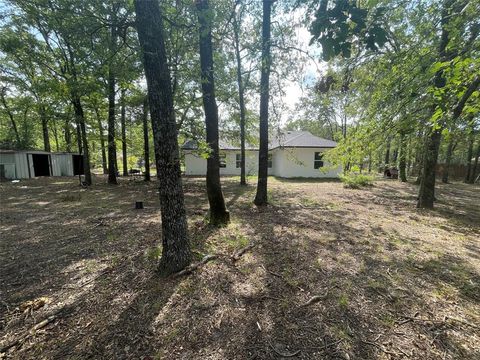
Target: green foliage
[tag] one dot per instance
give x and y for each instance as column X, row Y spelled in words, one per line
column 356, row 180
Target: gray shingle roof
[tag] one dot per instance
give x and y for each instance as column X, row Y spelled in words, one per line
column 286, row 139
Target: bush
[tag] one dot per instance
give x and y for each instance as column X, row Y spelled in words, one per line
column 356, row 181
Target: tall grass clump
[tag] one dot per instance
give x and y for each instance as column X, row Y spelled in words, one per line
column 356, row 181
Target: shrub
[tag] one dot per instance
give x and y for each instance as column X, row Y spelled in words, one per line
column 356, row 181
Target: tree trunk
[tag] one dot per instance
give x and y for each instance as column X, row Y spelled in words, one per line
column 102, row 141
column 112, row 148
column 387, row 155
column 402, row 164
column 218, row 211
column 124, row 133
column 55, row 136
column 44, row 119
column 261, row 197
column 426, row 195
column 176, row 247
column 471, row 140
column 448, row 159
column 77, row 106
column 146, row 147
column 241, row 99
column 10, row 115
column 79, row 136
column 475, row 164
column 68, row 136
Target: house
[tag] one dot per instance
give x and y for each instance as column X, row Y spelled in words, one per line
column 291, row 154
column 25, row 164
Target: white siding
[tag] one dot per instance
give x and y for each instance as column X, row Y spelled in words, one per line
column 196, row 165
column 298, row 162
column 62, row 164
column 287, row 162
column 21, row 165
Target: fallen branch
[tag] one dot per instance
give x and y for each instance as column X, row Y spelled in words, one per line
column 242, row 251
column 191, row 268
column 439, row 322
column 282, row 354
column 316, row 298
column 29, row 334
column 379, row 347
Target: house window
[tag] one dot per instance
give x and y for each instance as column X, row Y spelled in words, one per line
column 317, row 160
column 222, row 160
column 238, row 160
column 270, row 160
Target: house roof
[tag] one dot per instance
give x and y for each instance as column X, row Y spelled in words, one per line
column 301, row 139
column 284, row 139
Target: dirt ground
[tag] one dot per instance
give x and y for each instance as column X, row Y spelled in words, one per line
column 334, row 273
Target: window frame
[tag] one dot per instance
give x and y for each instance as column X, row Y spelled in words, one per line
column 222, row 160
column 238, row 160
column 318, row 160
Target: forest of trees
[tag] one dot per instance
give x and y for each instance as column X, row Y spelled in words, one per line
column 397, row 85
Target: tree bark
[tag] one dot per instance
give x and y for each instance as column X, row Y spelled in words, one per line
column 102, row 141
column 448, row 159
column 112, row 147
column 261, row 197
column 79, row 136
column 402, row 163
column 68, row 135
column 10, row 115
column 218, row 211
column 124, row 133
column 387, row 155
column 471, row 140
column 241, row 99
column 475, row 164
column 176, row 247
column 43, row 118
column 146, row 147
column 79, row 115
column 426, row 196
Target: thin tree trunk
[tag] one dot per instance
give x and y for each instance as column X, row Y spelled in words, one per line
column 241, row 99
column 176, row 247
column 448, row 159
column 475, row 164
column 77, row 106
column 68, row 136
column 55, row 136
column 218, row 211
column 124, row 133
column 387, row 155
column 261, row 197
column 102, row 141
column 10, row 115
column 43, row 117
column 402, row 164
column 471, row 140
column 112, row 148
column 146, row 147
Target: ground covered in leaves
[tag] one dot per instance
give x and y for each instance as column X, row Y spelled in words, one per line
column 329, row 273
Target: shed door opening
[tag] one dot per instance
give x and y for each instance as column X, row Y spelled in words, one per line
column 78, row 165
column 41, row 165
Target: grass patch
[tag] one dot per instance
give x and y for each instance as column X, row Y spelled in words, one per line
column 356, row 181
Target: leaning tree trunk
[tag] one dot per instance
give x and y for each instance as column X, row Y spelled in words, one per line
column 241, row 99
column 471, row 140
column 402, row 163
column 426, row 195
column 261, row 197
column 112, row 147
column 448, row 160
column 44, row 119
column 79, row 136
column 146, row 147
column 176, row 247
column 102, row 142
column 124, row 133
column 218, row 211
column 79, row 115
column 10, row 115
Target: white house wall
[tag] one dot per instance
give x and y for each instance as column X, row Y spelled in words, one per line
column 298, row 162
column 197, row 165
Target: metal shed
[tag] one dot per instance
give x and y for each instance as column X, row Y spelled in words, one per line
column 26, row 164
